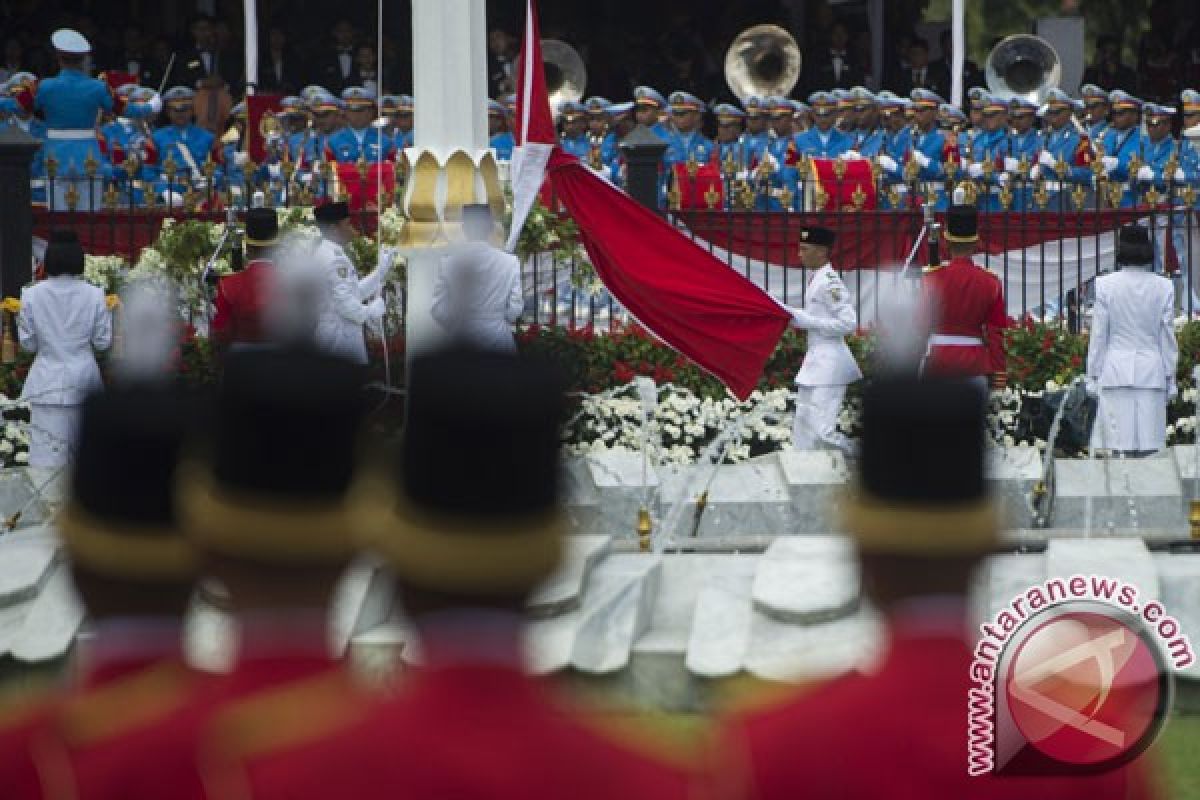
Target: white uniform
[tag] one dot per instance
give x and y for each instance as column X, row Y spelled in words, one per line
column 62, row 319
column 828, row 366
column 478, row 296
column 1132, row 357
column 345, row 310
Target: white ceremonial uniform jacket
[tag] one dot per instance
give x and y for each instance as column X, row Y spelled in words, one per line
column 828, row 317
column 1132, row 343
column 62, row 319
column 478, row 296
column 344, row 312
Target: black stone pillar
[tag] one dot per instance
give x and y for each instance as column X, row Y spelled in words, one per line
column 16, row 210
column 643, row 152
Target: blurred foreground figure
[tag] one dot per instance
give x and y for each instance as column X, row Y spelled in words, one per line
column 1132, row 352
column 923, row 520
column 134, row 572
column 471, row 525
column 478, row 298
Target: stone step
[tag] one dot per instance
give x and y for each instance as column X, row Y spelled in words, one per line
column 54, row 618
column 806, row 580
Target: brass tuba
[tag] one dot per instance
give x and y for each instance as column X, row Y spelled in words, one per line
column 566, row 76
column 763, row 60
column 1023, row 65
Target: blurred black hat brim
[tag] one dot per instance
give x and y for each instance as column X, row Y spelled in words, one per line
column 458, row 553
column 126, row 551
column 248, row 526
column 893, row 528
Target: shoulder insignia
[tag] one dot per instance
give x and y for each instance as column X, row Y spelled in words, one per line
column 128, row 704
column 931, row 269
column 288, row 716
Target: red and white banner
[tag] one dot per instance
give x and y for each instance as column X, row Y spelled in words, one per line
column 535, row 135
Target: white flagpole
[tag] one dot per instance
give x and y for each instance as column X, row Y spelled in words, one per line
column 958, row 38
column 250, row 9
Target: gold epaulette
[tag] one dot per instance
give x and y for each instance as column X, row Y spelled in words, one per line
column 645, row 735
column 125, row 705
column 931, row 269
column 288, row 716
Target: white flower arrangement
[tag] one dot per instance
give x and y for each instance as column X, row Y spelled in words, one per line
column 107, row 272
column 14, row 436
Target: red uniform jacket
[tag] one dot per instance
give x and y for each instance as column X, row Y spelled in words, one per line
column 241, row 298
column 31, row 752
column 968, row 302
column 899, row 734
column 465, row 732
column 160, row 755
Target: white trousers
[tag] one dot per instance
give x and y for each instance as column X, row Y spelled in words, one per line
column 815, row 425
column 52, row 432
column 1131, row 420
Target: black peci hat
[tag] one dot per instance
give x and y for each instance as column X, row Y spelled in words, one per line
column 121, row 518
column 823, row 237
column 262, row 227
column 64, row 255
column 330, row 213
column 921, row 487
column 962, row 224
column 473, row 506
column 284, row 443
column 1134, row 247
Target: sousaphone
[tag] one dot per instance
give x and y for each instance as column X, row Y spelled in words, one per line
column 1025, row 66
column 763, row 60
column 566, row 76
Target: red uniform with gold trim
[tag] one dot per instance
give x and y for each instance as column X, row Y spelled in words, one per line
column 463, row 731
column 241, row 300
column 900, row 734
column 969, row 320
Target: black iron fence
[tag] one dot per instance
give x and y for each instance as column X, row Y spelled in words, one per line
column 1045, row 233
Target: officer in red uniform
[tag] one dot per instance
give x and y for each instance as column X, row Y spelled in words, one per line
column 923, row 520
column 968, row 307
column 134, row 571
column 243, row 296
column 469, row 540
column 270, row 524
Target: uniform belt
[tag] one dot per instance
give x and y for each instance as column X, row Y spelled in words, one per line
column 952, row 340
column 63, row 135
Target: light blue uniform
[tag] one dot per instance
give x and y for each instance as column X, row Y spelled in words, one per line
column 1064, row 144
column 1123, row 146
column 177, row 144
column 503, row 144
column 578, row 146
column 1025, row 146
column 369, row 144
column 71, row 103
column 895, row 146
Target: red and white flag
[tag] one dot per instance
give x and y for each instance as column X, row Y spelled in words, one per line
column 674, row 288
column 535, row 135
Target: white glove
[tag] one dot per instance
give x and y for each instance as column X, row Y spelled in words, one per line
column 1172, row 391
column 275, row 171
column 241, row 159
column 1109, row 162
column 156, row 103
column 888, row 163
column 975, row 170
column 801, row 318
column 376, row 309
column 200, row 183
column 1011, row 164
column 920, row 158
column 388, row 259
column 1145, row 174
column 1180, row 176
column 1090, row 386
column 1003, row 178
column 1047, row 160
column 1035, row 172
column 852, row 155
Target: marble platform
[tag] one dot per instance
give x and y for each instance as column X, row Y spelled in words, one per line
column 663, row 630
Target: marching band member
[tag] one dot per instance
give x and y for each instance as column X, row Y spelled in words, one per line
column 185, row 143
column 71, row 104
